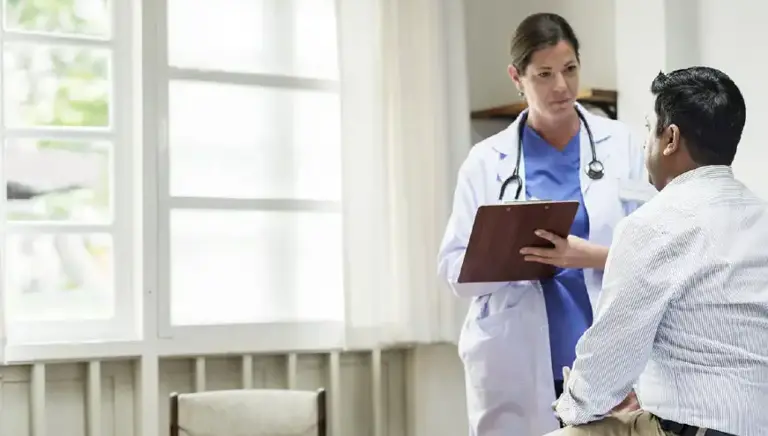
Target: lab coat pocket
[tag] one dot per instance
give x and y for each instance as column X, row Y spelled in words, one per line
column 499, row 362
column 492, row 348
column 495, row 323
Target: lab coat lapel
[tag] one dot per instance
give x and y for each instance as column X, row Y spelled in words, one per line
column 600, row 133
column 506, row 145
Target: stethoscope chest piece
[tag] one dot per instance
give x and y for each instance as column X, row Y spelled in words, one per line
column 595, row 170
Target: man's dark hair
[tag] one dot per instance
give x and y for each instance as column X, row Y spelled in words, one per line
column 707, row 107
column 539, row 31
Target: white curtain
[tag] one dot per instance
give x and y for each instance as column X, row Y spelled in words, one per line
column 405, row 127
column 3, row 341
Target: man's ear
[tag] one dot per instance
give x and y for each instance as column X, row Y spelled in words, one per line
column 672, row 139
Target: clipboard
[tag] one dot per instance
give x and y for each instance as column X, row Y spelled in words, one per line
column 501, row 230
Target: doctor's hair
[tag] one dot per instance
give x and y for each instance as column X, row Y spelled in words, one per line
column 540, row 31
column 707, row 107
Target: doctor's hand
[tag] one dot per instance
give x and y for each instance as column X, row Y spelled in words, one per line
column 570, row 252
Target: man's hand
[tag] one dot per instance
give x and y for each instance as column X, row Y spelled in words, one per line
column 630, row 404
column 566, row 374
column 571, row 252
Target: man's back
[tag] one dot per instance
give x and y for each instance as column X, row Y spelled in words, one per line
column 709, row 362
column 683, row 313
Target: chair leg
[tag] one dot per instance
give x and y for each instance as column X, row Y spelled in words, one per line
column 322, row 413
column 174, row 430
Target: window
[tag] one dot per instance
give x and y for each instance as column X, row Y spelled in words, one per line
column 66, row 161
column 174, row 176
column 217, row 139
column 249, row 183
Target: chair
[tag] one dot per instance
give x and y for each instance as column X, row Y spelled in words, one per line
column 249, row 412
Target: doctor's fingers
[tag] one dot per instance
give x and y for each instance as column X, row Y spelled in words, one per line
column 555, row 261
column 551, row 237
column 541, row 252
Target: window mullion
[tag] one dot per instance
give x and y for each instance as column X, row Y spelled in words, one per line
column 30, row 228
column 283, row 117
column 253, row 79
column 64, row 134
column 262, row 204
column 14, row 37
column 157, row 267
column 125, row 283
column 3, row 201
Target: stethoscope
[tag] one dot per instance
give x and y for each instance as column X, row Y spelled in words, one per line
column 594, row 168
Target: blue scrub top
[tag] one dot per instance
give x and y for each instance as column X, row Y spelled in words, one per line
column 551, row 174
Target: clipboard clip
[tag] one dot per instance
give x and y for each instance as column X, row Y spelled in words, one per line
column 528, row 200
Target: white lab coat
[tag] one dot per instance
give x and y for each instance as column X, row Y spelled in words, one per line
column 506, row 355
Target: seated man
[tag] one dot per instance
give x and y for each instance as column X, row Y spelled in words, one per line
column 683, row 315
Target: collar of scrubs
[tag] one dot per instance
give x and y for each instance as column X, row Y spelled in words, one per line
column 506, row 145
column 532, row 147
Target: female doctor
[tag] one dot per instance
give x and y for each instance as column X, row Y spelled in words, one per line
column 518, row 336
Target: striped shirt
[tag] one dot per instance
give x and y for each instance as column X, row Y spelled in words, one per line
column 683, row 314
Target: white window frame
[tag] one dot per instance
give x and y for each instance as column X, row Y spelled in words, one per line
column 142, row 35
column 292, row 336
column 121, row 133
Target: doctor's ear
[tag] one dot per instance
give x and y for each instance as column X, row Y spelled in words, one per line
column 672, row 137
column 515, row 75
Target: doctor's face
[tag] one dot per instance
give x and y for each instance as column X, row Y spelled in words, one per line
column 550, row 82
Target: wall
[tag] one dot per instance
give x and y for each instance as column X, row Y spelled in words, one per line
column 66, row 388
column 661, row 35
column 489, row 27
column 728, row 42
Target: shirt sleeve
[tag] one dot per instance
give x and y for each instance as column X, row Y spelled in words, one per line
column 642, row 276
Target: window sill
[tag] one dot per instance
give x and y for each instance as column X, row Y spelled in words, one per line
column 193, row 341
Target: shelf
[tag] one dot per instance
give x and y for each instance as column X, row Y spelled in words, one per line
column 600, row 98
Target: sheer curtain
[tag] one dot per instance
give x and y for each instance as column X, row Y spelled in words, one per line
column 405, row 117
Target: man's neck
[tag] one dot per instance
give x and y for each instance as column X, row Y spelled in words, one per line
column 682, row 169
column 558, row 132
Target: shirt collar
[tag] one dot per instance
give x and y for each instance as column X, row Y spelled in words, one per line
column 704, row 172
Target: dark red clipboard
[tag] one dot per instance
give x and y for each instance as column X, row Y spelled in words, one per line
column 501, row 230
